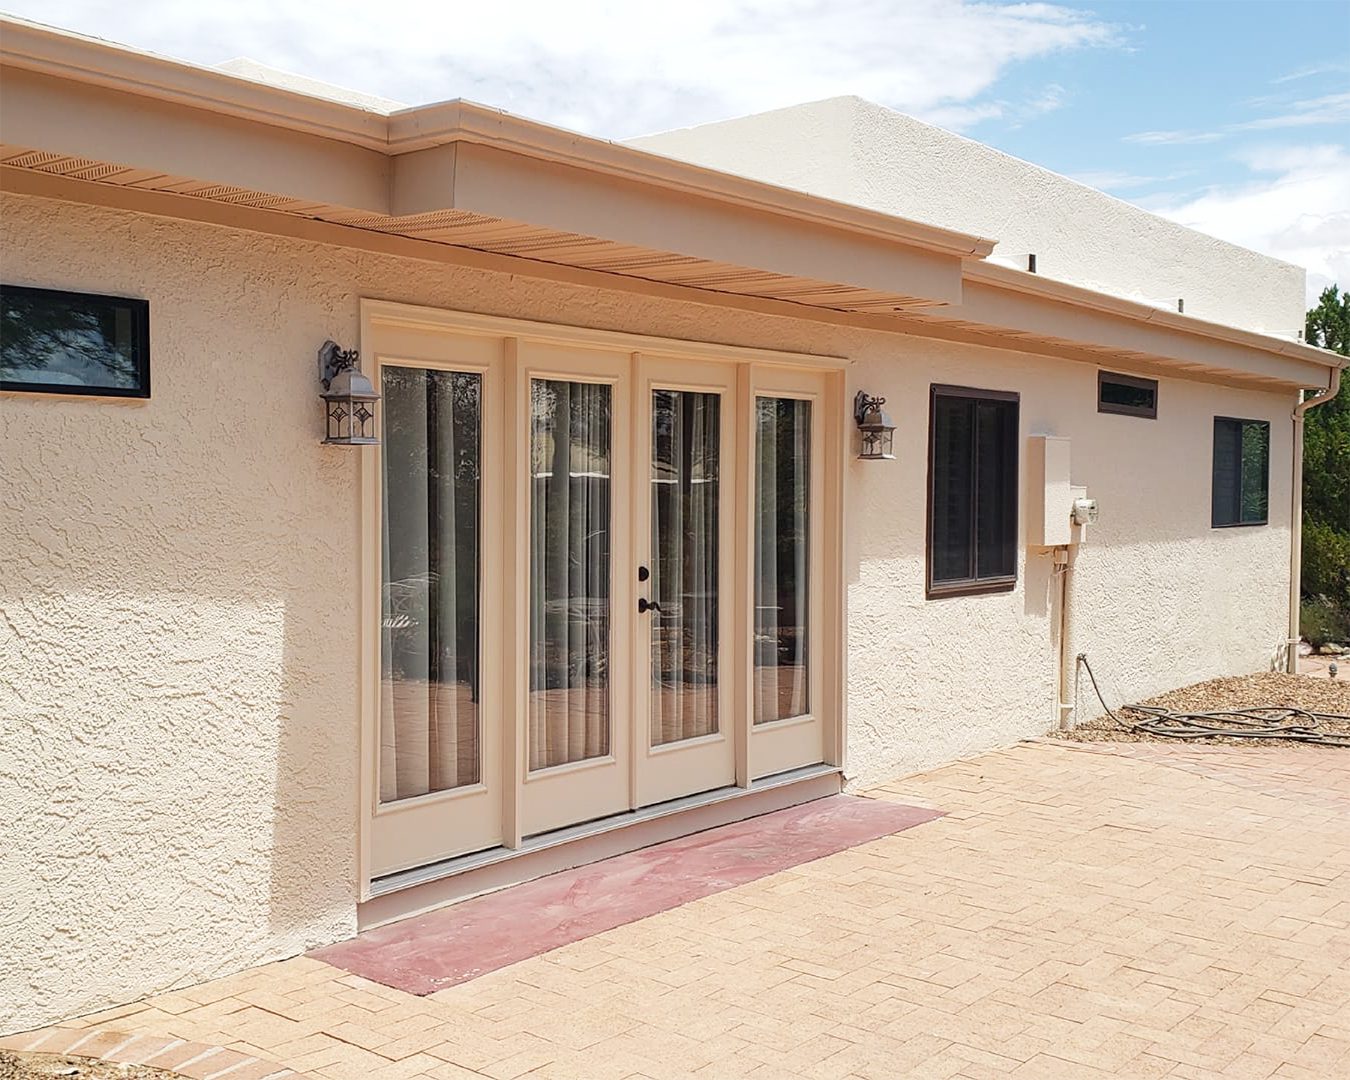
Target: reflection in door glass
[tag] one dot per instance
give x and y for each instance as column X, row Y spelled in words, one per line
column 782, row 544
column 429, row 689
column 684, row 565
column 569, row 572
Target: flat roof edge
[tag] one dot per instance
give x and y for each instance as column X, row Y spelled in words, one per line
column 1010, row 279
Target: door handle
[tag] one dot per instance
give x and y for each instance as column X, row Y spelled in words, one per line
column 645, row 605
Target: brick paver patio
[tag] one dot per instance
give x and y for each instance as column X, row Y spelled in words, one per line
column 1081, row 911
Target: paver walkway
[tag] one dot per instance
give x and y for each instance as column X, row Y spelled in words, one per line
column 1081, row 911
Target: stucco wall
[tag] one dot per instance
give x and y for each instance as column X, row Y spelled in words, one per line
column 857, row 152
column 178, row 591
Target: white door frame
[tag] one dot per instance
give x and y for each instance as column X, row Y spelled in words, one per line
column 526, row 349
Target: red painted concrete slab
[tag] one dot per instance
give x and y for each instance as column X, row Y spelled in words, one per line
column 455, row 944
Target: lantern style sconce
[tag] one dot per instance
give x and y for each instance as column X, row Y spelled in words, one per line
column 876, row 428
column 348, row 397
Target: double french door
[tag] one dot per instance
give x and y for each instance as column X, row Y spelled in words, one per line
column 594, row 585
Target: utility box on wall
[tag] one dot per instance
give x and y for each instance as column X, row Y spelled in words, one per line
column 1049, row 494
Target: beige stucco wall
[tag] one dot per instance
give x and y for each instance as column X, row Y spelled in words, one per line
column 178, row 590
column 849, row 149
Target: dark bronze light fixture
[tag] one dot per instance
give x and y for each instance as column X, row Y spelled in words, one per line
column 876, row 428
column 349, row 398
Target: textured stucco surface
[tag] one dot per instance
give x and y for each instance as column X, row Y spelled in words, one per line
column 857, row 152
column 178, row 590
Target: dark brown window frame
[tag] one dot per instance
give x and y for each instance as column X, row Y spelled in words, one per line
column 1138, row 383
column 1214, row 523
column 970, row 586
column 140, row 316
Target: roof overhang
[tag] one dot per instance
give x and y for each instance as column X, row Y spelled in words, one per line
column 455, row 173
column 78, row 115
column 1007, row 308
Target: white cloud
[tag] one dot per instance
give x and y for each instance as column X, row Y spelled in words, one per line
column 1331, row 109
column 619, row 69
column 1296, row 207
column 1310, row 70
column 1112, row 180
column 1173, row 138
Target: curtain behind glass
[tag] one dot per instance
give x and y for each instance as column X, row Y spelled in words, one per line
column 429, row 722
column 782, row 544
column 569, row 572
column 684, row 564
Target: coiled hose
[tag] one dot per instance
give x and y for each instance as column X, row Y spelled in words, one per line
column 1273, row 722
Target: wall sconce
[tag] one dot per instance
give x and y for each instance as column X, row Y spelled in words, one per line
column 348, row 397
column 875, row 426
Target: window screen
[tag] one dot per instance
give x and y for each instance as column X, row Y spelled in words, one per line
column 1241, row 472
column 972, row 477
column 1127, row 395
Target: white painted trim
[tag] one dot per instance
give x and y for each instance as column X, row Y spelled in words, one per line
column 387, row 312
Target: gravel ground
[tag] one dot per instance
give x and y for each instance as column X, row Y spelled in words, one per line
column 16, row 1066
column 1267, row 690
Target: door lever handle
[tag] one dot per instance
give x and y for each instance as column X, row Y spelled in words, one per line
column 645, row 605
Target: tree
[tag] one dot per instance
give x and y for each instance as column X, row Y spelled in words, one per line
column 1326, row 465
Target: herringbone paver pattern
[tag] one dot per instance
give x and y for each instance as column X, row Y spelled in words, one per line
column 1081, row 912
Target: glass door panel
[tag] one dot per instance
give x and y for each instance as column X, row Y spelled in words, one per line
column 686, row 423
column 574, row 723
column 685, row 535
column 570, row 517
column 788, row 506
column 433, row 565
column 782, row 563
column 429, row 627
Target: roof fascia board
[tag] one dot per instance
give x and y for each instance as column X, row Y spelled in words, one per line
column 134, row 134
column 465, row 121
column 497, row 183
column 103, row 63
column 1025, row 312
column 1009, row 279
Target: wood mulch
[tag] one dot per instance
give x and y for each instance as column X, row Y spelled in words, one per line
column 22, row 1066
column 1269, row 689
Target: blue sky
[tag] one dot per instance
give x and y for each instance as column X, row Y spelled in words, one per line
column 1232, row 117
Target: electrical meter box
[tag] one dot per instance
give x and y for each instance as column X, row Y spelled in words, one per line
column 1049, row 495
column 1085, row 511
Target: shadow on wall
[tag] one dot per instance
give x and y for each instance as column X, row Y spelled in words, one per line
column 180, row 756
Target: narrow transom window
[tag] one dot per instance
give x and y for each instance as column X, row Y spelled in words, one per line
column 1241, row 472
column 1127, row 395
column 972, row 490
column 55, row 342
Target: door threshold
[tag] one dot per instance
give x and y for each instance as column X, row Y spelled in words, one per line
column 411, row 892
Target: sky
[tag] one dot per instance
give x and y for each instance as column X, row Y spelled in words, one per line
column 1229, row 116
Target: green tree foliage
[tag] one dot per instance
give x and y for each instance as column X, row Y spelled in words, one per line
column 1326, row 475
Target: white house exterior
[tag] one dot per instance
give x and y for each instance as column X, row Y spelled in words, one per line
column 224, row 740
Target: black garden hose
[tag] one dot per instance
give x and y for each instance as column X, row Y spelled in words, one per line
column 1273, row 722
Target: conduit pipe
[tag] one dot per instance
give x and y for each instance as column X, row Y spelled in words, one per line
column 1062, row 568
column 1296, row 517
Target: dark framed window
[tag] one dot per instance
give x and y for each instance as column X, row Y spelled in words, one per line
column 1241, row 491
column 55, row 342
column 1127, row 395
column 972, row 490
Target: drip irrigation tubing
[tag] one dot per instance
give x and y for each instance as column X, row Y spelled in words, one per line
column 1266, row 722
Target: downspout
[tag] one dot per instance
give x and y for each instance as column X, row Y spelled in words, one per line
column 1296, row 518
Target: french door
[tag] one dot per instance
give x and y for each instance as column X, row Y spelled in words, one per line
column 684, row 519
column 597, row 580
